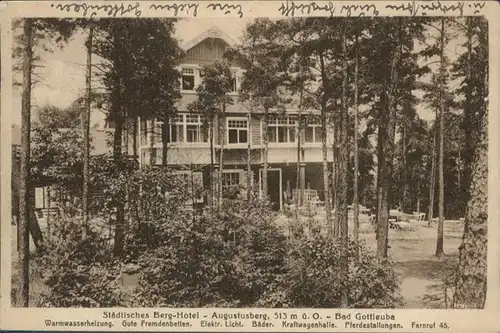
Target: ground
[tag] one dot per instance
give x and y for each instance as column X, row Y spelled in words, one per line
column 412, row 249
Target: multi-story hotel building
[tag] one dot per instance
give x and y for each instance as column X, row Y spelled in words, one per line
column 189, row 148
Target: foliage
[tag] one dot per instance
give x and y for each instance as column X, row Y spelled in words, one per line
column 314, row 279
column 213, row 91
column 54, row 117
column 48, row 34
column 78, row 272
column 260, row 246
column 156, row 203
column 143, row 80
column 56, row 154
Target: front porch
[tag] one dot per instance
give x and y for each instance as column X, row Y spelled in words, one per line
column 284, row 183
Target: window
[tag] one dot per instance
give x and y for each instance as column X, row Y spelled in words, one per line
column 281, row 129
column 188, row 129
column 177, row 129
column 234, row 84
column 237, row 130
column 230, row 179
column 144, row 132
column 313, row 132
column 234, row 80
column 194, row 129
column 158, row 126
column 187, row 79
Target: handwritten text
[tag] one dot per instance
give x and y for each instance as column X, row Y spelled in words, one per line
column 93, row 10
column 175, row 8
column 226, row 8
column 289, row 7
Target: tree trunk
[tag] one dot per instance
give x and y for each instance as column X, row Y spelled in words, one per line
column 335, row 176
column 49, row 203
column 342, row 184
column 212, row 161
column 86, row 136
column 152, row 156
column 356, row 149
column 298, row 191
column 440, row 231
column 469, row 114
column 265, row 157
column 249, row 157
column 24, row 186
column 405, row 172
column 117, row 115
column 387, row 129
column 222, row 128
column 326, row 187
column 134, row 138
column 471, row 277
column 432, row 189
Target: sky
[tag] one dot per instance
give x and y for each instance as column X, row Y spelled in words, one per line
column 62, row 77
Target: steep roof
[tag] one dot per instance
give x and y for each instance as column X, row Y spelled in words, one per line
column 213, row 32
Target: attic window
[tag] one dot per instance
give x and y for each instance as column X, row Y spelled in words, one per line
column 234, row 81
column 187, row 79
column 234, row 86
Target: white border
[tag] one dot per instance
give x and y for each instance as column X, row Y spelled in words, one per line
column 460, row 320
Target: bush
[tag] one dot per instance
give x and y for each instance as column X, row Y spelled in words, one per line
column 314, row 279
column 259, row 244
column 190, row 270
column 224, row 257
column 149, row 212
column 77, row 272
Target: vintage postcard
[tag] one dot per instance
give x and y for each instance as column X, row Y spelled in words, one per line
column 250, row 166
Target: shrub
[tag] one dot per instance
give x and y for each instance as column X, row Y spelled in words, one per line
column 149, row 211
column 190, row 270
column 225, row 257
column 260, row 247
column 314, row 279
column 77, row 272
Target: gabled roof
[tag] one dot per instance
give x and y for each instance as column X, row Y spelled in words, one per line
column 213, row 32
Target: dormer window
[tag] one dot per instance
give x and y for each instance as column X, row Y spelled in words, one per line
column 234, row 84
column 234, row 80
column 187, row 79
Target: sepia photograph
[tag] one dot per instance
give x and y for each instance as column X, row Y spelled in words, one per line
column 305, row 162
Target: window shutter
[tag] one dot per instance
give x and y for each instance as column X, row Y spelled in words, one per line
column 255, row 132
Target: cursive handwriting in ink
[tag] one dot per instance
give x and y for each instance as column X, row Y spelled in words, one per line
column 477, row 7
column 288, row 8
column 226, row 8
column 348, row 10
column 411, row 6
column 93, row 10
column 456, row 7
column 176, row 8
column 443, row 8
